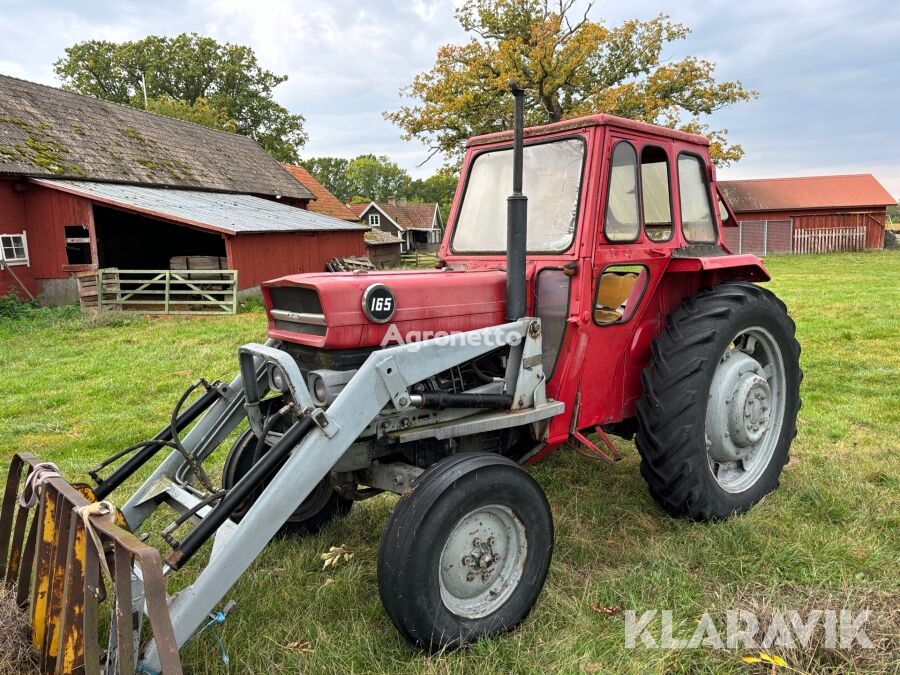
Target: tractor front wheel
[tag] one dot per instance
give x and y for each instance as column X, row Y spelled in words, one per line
column 466, row 553
column 316, row 511
column 720, row 402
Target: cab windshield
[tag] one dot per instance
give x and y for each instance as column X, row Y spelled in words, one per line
column 551, row 180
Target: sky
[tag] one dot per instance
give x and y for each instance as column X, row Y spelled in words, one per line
column 827, row 72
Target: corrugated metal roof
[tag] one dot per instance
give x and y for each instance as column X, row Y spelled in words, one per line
column 222, row 212
column 45, row 131
column 808, row 192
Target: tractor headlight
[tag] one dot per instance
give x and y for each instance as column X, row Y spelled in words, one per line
column 277, row 379
column 325, row 385
column 319, row 390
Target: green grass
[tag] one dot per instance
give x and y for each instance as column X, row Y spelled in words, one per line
column 829, row 537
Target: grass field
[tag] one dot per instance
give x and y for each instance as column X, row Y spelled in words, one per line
column 828, row 538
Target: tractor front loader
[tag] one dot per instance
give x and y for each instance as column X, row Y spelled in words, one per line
column 604, row 303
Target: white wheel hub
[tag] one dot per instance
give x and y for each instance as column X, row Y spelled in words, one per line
column 482, row 561
column 745, row 410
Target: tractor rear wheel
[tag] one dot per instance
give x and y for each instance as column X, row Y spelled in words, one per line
column 720, row 402
column 466, row 553
column 316, row 511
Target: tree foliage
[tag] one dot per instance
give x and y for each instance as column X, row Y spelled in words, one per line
column 569, row 66
column 376, row 178
column 190, row 77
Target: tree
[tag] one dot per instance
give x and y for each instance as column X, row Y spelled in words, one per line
column 199, row 112
column 568, row 67
column 331, row 172
column 189, row 77
column 377, row 178
column 893, row 213
column 438, row 188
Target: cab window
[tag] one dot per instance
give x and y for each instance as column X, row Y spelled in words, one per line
column 622, row 221
column 619, row 290
column 656, row 196
column 696, row 213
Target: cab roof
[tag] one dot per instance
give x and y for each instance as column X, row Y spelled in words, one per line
column 592, row 121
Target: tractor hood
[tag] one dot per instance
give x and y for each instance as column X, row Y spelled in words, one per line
column 347, row 310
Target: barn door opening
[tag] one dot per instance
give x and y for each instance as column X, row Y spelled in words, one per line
column 133, row 241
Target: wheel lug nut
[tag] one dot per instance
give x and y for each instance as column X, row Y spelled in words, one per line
column 476, row 542
column 496, row 557
column 491, row 541
column 467, row 560
column 470, row 576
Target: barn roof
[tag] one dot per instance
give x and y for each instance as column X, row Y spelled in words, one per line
column 808, row 192
column 326, row 203
column 50, row 132
column 225, row 213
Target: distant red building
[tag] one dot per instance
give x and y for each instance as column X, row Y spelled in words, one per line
column 814, row 203
column 87, row 184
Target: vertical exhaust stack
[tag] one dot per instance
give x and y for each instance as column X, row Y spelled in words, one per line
column 516, row 217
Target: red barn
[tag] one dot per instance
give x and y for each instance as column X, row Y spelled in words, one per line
column 813, row 203
column 88, row 184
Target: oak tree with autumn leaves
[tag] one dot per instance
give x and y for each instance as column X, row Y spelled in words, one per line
column 569, row 66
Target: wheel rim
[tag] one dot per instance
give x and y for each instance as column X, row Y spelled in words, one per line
column 745, row 411
column 482, row 561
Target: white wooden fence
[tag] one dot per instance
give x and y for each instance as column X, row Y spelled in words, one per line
column 830, row 240
column 160, row 291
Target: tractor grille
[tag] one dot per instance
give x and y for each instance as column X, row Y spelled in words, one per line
column 297, row 309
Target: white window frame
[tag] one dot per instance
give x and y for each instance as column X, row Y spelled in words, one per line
column 374, row 220
column 23, row 238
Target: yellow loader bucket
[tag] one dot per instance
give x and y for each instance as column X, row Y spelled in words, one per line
column 49, row 555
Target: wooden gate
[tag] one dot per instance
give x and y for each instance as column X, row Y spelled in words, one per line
column 160, row 291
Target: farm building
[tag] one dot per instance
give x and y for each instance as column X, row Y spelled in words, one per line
column 418, row 225
column 86, row 184
column 812, row 213
column 382, row 248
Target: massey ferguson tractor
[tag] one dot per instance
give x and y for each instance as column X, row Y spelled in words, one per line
column 604, row 302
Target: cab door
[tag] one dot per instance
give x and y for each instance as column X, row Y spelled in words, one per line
column 637, row 233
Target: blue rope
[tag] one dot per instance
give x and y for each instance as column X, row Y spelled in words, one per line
column 215, row 618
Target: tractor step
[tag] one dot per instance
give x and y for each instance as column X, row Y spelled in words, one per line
column 593, row 450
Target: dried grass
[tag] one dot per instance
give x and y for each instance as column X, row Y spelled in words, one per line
column 882, row 628
column 16, row 654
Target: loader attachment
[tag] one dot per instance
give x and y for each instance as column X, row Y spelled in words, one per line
column 49, row 555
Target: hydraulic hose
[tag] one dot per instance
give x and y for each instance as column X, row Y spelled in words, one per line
column 257, row 474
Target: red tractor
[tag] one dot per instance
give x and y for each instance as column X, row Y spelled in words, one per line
column 604, row 302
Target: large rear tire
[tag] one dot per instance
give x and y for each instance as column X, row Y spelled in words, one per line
column 720, row 402
column 321, row 507
column 466, row 553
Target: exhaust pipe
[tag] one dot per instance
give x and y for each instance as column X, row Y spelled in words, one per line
column 516, row 217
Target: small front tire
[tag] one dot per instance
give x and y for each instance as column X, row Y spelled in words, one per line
column 466, row 553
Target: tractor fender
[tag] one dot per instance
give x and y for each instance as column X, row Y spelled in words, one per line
column 718, row 268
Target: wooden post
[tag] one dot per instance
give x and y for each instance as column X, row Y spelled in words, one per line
column 234, row 291
column 99, row 290
column 167, row 286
